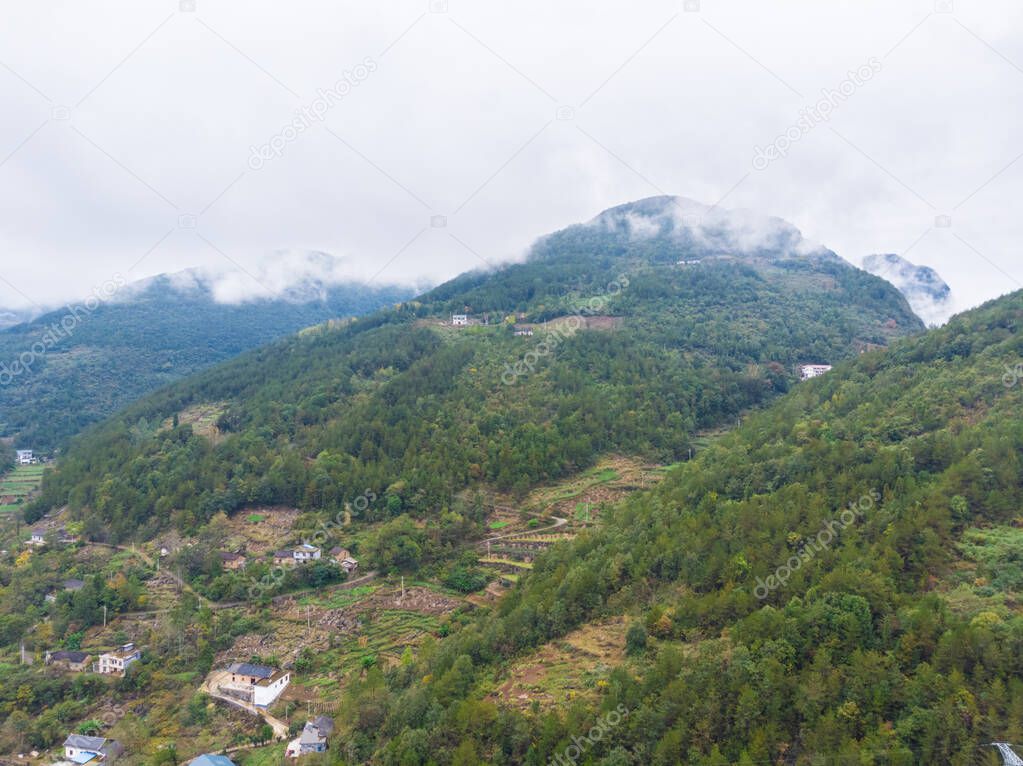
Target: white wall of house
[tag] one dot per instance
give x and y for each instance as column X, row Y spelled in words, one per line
column 264, row 696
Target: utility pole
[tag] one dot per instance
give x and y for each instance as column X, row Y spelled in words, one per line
column 104, row 615
column 403, row 589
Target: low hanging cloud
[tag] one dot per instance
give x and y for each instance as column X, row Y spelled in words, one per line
column 710, row 228
column 292, row 275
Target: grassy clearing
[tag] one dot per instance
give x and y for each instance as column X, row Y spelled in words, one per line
column 558, row 672
column 272, row 755
column 339, row 599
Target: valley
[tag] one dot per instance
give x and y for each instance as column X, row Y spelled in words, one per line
column 461, row 541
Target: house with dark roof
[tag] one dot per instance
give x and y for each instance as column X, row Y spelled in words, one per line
column 76, row 661
column 313, row 738
column 259, row 685
column 231, row 560
column 81, row 749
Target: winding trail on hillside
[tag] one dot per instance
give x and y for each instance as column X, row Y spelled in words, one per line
column 558, row 522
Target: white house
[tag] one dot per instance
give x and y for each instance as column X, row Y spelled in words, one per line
column 25, row 457
column 306, row 552
column 257, row 684
column 37, row 536
column 81, row 749
column 116, row 663
column 459, row 320
column 807, row 371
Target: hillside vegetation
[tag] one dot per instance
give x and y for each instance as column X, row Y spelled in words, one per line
column 631, row 352
column 72, row 367
column 834, row 582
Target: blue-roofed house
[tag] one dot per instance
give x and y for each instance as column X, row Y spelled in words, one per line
column 81, row 749
column 209, row 759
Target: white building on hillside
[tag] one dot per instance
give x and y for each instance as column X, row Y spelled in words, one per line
column 256, row 684
column 459, row 320
column 81, row 749
column 117, row 662
column 807, row 371
column 25, row 457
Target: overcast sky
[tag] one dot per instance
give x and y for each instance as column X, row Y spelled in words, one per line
column 131, row 131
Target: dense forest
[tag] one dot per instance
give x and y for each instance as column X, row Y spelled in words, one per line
column 75, row 366
column 630, row 351
column 838, row 575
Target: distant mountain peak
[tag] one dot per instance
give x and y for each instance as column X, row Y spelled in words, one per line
column 711, row 228
column 928, row 294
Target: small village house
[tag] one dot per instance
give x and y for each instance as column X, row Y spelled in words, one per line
column 81, row 749
column 313, row 738
column 258, row 685
column 25, row 457
column 209, row 759
column 117, row 662
column 38, row 536
column 808, row 371
column 459, row 320
column 300, row 555
column 306, row 552
column 344, row 559
column 231, row 561
column 73, row 661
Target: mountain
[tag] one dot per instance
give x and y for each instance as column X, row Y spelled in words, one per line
column 926, row 292
column 627, row 334
column 68, row 368
column 11, row 317
column 836, row 581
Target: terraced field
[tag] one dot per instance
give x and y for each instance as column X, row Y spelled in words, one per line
column 18, row 486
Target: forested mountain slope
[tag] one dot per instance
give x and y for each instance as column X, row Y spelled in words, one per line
column 72, row 367
column 631, row 351
column 837, row 581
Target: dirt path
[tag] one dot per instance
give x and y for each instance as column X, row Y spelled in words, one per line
column 155, row 565
column 347, row 585
column 558, row 522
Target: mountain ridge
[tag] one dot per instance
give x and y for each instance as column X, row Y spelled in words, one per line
column 72, row 366
column 402, row 398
